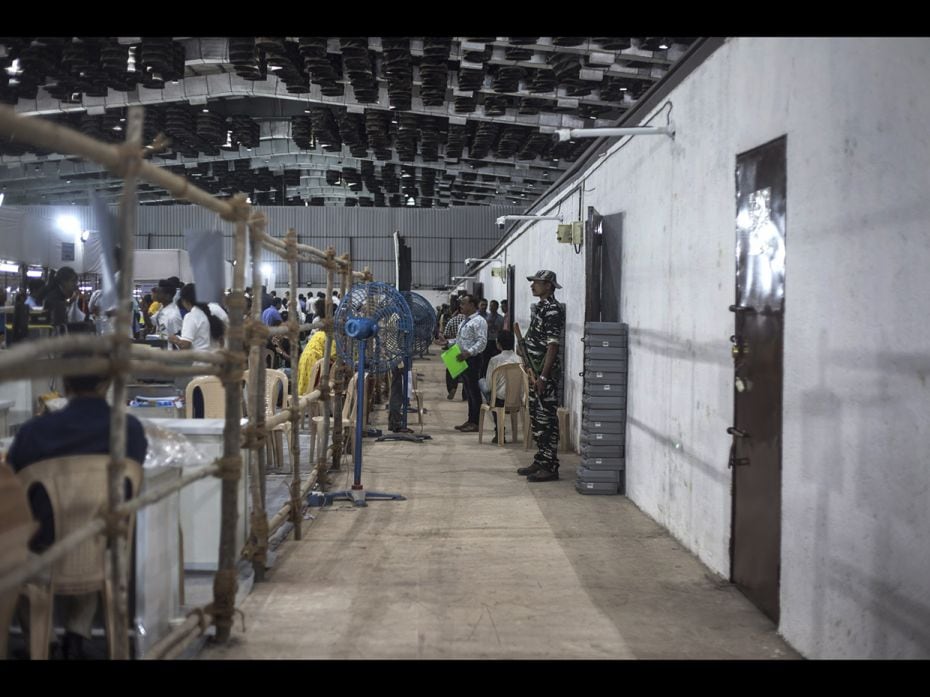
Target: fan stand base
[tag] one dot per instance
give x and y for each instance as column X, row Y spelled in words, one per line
column 409, row 437
column 357, row 496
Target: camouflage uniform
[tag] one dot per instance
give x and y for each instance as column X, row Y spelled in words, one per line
column 545, row 328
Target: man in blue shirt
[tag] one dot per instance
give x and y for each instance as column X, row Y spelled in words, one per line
column 81, row 428
column 272, row 314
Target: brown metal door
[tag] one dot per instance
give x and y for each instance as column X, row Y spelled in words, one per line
column 755, row 456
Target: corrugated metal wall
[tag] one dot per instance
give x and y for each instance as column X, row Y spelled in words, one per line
column 440, row 239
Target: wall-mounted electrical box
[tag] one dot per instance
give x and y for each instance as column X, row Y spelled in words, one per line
column 570, row 233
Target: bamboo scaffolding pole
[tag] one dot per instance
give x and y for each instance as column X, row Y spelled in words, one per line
column 295, row 413
column 173, row 643
column 57, row 366
column 58, row 550
column 44, row 367
column 286, row 329
column 152, row 368
column 256, row 391
column 281, row 516
column 308, row 253
column 27, row 351
column 125, row 160
column 117, row 535
column 286, row 414
column 341, row 382
column 55, row 138
column 280, row 246
column 225, row 582
column 148, row 352
column 324, row 371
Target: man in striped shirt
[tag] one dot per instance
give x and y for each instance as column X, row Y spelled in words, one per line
column 450, row 331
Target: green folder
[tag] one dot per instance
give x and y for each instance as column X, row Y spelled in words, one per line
column 451, row 358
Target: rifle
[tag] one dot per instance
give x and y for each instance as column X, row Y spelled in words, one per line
column 526, row 355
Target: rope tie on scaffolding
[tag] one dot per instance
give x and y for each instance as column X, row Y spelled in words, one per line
column 117, row 525
column 231, row 369
column 129, row 159
column 294, row 488
column 255, row 549
column 256, row 332
column 230, row 468
column 254, row 437
column 239, row 209
column 160, row 143
column 225, row 584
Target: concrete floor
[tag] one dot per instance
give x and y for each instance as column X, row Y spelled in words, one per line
column 479, row 563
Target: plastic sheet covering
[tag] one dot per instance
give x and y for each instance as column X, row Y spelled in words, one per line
column 169, row 449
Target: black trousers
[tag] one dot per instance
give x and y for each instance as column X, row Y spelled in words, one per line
column 396, row 400
column 472, row 392
column 490, row 351
column 452, row 383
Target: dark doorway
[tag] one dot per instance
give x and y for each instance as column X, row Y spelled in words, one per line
column 603, row 266
column 758, row 340
column 511, row 295
column 611, row 266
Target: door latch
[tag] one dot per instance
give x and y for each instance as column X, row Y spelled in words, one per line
column 734, row 431
column 736, row 461
column 739, row 348
column 742, row 308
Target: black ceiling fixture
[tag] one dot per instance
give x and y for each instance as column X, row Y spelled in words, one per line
column 437, row 109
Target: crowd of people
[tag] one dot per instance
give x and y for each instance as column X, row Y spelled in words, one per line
column 486, row 341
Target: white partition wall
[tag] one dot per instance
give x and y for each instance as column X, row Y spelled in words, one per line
column 855, row 571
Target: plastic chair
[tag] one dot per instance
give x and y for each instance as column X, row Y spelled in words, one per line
column 214, row 397
column 276, row 383
column 417, row 397
column 516, row 401
column 77, row 487
column 348, row 420
column 16, row 528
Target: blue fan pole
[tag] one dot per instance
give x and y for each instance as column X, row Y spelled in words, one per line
column 360, row 329
column 406, row 406
column 360, row 414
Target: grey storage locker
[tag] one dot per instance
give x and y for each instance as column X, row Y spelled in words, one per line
column 603, row 401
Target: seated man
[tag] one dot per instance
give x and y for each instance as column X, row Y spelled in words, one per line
column 80, row 428
column 505, row 343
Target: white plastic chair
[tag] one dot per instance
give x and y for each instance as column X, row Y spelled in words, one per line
column 214, row 397
column 16, row 529
column 516, row 402
column 276, row 383
column 77, row 487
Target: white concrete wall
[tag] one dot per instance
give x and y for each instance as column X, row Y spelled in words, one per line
column 856, row 482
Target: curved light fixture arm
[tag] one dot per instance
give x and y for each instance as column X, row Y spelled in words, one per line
column 564, row 134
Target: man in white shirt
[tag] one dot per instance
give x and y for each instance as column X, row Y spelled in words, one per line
column 506, row 356
column 167, row 320
column 472, row 339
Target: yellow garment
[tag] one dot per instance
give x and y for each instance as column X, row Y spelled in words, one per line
column 312, row 352
column 154, row 307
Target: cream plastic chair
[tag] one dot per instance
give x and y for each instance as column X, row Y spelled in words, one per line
column 77, row 487
column 16, row 528
column 516, row 401
column 348, row 421
column 214, row 397
column 276, row 383
column 417, row 397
